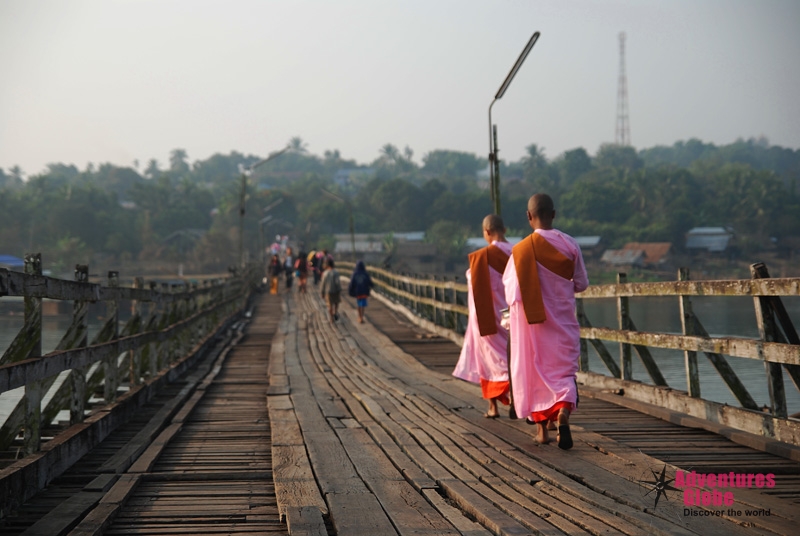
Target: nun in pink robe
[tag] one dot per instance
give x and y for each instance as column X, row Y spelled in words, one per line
column 483, row 359
column 544, row 356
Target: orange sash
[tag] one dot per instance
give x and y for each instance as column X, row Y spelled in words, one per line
column 479, row 263
column 535, row 248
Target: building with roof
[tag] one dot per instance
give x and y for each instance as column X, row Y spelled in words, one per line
column 623, row 257
column 709, row 239
column 656, row 254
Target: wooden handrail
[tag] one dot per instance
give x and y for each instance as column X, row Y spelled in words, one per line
column 180, row 316
column 773, row 348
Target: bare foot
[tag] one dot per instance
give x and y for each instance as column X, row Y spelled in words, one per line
column 541, row 433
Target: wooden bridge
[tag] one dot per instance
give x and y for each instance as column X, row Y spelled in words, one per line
column 238, row 412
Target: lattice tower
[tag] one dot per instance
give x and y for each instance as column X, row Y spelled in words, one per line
column 623, row 134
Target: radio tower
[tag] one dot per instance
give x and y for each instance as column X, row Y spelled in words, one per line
column 623, row 134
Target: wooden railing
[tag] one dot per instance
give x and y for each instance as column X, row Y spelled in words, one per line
column 167, row 320
column 443, row 303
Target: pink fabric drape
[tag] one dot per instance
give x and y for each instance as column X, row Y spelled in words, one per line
column 485, row 357
column 544, row 357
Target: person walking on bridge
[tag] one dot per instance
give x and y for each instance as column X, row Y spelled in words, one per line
column 359, row 288
column 544, row 272
column 483, row 356
column 331, row 289
column 275, row 270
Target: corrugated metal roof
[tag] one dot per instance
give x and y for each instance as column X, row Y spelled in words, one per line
column 713, row 239
column 708, row 230
column 587, row 241
column 632, row 257
column 362, row 246
column 478, row 242
column 654, row 252
column 712, row 243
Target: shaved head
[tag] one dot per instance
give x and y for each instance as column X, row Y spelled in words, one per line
column 541, row 205
column 541, row 211
column 494, row 224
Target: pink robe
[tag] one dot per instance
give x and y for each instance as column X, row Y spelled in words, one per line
column 485, row 357
column 544, row 357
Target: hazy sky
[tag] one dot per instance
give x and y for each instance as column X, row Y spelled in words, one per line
column 120, row 80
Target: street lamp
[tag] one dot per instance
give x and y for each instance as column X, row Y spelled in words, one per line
column 246, row 172
column 494, row 162
column 261, row 223
column 350, row 214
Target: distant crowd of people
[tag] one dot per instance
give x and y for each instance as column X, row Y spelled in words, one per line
column 322, row 267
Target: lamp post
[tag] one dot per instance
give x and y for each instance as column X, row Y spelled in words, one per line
column 494, row 162
column 350, row 215
column 261, row 223
column 246, row 172
column 261, row 241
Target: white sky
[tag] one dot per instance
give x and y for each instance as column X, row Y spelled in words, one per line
column 117, row 80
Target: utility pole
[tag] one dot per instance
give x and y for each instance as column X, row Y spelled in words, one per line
column 246, row 171
column 623, row 133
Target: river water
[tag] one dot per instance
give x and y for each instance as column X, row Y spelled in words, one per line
column 721, row 316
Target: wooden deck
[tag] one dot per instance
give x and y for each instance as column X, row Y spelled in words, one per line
column 370, row 435
column 394, row 447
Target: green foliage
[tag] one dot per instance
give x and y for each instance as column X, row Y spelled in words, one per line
column 449, row 237
column 192, row 211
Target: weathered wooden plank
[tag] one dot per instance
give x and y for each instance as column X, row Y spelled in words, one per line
column 739, row 287
column 409, row 511
column 748, row 348
column 497, row 521
column 688, row 327
column 305, row 521
column 783, row 430
column 462, row 523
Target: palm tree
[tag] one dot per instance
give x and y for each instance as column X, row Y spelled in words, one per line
column 177, row 161
column 297, row 145
column 389, row 153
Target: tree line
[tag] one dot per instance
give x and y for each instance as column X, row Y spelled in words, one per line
column 190, row 212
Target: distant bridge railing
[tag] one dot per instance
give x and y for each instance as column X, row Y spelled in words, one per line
column 167, row 322
column 440, row 306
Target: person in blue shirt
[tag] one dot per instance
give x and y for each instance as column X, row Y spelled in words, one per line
column 359, row 288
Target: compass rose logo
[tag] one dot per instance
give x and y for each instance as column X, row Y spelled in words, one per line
column 659, row 485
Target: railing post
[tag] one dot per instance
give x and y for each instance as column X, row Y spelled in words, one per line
column 33, row 390
column 768, row 332
column 454, row 292
column 136, row 355
column 110, row 365
column 435, row 297
column 689, row 326
column 415, row 286
column 623, row 316
column 80, row 310
column 158, row 316
column 168, row 314
column 583, row 364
